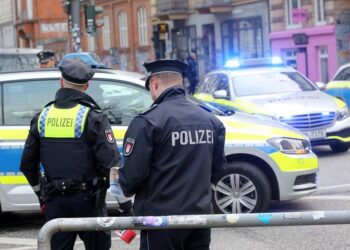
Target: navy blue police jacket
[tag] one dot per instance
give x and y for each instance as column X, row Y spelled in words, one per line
column 79, row 159
column 172, row 152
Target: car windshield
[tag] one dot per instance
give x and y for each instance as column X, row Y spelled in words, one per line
column 262, row 83
column 14, row 62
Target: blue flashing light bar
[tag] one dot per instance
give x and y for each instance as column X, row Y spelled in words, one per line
column 276, row 60
column 232, row 63
column 253, row 62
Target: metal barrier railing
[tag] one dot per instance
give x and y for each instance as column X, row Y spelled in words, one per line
column 189, row 221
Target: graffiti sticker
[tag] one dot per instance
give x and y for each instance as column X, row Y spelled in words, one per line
column 105, row 221
column 264, row 218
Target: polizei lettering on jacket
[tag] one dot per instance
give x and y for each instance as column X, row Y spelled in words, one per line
column 60, row 122
column 188, row 137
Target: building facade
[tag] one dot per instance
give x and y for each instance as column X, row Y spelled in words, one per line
column 215, row 30
column 7, row 30
column 42, row 24
column 123, row 36
column 311, row 35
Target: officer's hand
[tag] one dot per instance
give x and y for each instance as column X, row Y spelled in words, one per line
column 41, row 202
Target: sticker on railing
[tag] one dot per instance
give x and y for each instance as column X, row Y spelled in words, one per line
column 105, row 221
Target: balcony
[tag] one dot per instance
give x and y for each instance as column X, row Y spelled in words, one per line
column 213, row 6
column 172, row 9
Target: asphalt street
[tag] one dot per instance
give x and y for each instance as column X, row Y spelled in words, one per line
column 19, row 231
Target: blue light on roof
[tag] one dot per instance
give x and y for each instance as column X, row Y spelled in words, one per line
column 232, row 63
column 276, row 60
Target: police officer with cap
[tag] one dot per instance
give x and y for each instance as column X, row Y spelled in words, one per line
column 74, row 142
column 172, row 152
column 47, row 59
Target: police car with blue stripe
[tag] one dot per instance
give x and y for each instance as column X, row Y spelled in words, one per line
column 267, row 160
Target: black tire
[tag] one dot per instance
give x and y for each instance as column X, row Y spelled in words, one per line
column 258, row 197
column 340, row 147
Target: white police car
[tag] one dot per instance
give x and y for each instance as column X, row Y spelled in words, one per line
column 266, row 88
column 267, row 160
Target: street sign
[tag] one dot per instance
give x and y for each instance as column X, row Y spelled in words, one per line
column 300, row 39
column 90, row 22
column 163, row 28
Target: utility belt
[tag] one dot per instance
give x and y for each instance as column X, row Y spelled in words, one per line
column 65, row 187
column 68, row 186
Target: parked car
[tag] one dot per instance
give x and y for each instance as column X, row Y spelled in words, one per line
column 16, row 59
column 339, row 86
column 266, row 88
column 266, row 159
column 87, row 57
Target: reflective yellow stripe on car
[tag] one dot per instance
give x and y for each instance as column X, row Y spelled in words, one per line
column 243, row 131
column 20, row 179
column 15, row 133
column 238, row 104
column 286, row 163
column 339, row 103
column 338, row 85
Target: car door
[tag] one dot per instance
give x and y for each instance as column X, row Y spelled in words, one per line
column 340, row 85
column 21, row 100
column 121, row 101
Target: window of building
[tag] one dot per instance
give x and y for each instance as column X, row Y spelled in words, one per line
column 19, row 8
column 106, row 33
column 242, row 38
column 30, row 9
column 142, row 24
column 320, row 11
column 91, row 42
column 290, row 5
column 123, row 30
column 290, row 57
column 323, row 64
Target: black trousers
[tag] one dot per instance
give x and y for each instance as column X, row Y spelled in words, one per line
column 175, row 239
column 70, row 206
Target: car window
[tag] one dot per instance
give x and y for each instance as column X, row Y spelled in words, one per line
column 209, row 84
column 13, row 62
column 343, row 75
column 223, row 84
column 120, row 101
column 23, row 99
column 270, row 83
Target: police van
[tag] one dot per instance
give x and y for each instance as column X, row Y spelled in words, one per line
column 266, row 88
column 267, row 160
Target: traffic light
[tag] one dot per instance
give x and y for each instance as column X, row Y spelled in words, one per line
column 90, row 17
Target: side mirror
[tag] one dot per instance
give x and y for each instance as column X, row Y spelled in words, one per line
column 321, row 85
column 221, row 94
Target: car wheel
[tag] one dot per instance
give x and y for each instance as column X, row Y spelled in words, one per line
column 340, row 147
column 243, row 188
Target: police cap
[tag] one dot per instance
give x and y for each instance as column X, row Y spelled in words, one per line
column 164, row 65
column 75, row 71
column 45, row 55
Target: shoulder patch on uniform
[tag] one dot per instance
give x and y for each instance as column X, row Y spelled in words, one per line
column 109, row 135
column 129, row 146
column 150, row 109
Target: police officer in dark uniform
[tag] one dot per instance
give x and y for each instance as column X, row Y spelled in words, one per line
column 74, row 142
column 172, row 152
column 47, row 59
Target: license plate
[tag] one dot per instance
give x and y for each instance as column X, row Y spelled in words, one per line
column 316, row 134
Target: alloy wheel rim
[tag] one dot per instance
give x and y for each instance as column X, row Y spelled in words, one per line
column 235, row 193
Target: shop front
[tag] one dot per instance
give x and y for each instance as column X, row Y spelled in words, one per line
column 313, row 51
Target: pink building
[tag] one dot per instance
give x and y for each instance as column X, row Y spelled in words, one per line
column 313, row 36
column 316, row 52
